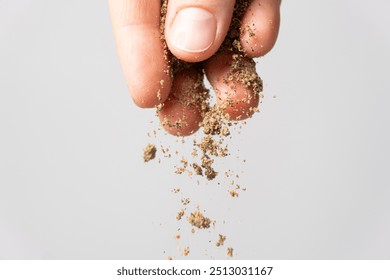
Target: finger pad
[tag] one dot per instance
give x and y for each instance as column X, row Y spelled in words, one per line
column 147, row 76
column 236, row 84
column 180, row 114
column 260, row 28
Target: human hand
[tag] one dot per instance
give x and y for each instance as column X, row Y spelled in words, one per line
column 194, row 32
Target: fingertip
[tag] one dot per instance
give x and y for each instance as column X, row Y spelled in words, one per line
column 145, row 68
column 177, row 119
column 147, row 94
column 260, row 27
column 181, row 113
column 136, row 26
column 236, row 84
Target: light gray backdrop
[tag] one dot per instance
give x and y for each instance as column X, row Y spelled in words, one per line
column 73, row 184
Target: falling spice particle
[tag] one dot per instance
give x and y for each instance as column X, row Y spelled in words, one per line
column 180, row 215
column 221, row 240
column 233, row 193
column 186, row 251
column 197, row 169
column 149, row 152
column 197, row 219
column 185, row 201
column 230, row 252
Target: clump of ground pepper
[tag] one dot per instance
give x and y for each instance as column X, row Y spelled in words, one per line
column 149, row 152
column 197, row 219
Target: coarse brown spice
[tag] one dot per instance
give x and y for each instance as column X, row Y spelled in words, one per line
column 230, row 252
column 176, row 190
column 186, row 251
column 149, row 152
column 197, row 169
column 221, row 240
column 180, row 214
column 185, row 201
column 233, row 193
column 197, row 219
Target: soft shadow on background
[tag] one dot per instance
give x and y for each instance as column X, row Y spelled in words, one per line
column 73, row 184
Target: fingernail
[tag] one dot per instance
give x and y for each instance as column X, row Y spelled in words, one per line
column 194, row 30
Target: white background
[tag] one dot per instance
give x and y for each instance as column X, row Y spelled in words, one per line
column 73, row 184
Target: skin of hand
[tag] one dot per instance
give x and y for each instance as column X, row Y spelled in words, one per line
column 194, row 31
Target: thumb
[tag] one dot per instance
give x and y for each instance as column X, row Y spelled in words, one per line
column 195, row 30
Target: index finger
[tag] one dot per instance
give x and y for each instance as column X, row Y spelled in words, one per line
column 136, row 26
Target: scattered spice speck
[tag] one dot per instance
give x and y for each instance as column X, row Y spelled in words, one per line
column 221, row 240
column 230, row 252
column 149, row 152
column 186, row 251
column 197, row 219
